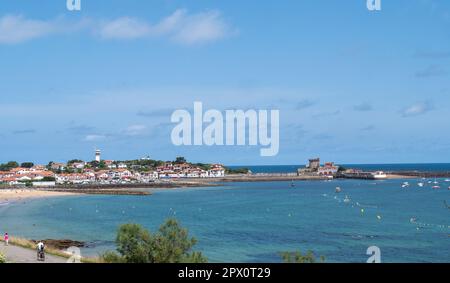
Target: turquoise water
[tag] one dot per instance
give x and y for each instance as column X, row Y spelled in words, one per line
column 254, row 222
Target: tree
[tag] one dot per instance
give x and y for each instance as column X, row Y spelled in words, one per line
column 133, row 243
column 68, row 170
column 70, row 162
column 49, row 165
column 180, row 159
column 171, row 244
column 102, row 165
column 27, row 164
column 237, row 171
column 8, row 166
column 298, row 257
column 342, row 169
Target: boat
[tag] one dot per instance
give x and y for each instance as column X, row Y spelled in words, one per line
column 405, row 185
column 346, row 199
column 447, row 180
column 436, row 187
column 420, row 184
column 292, row 184
column 338, row 190
column 379, row 175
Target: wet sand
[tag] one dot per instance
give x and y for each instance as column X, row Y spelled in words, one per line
column 12, row 195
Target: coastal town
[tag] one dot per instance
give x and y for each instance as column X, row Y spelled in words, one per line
column 104, row 172
column 149, row 172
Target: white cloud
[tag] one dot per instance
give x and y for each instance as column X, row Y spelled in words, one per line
column 170, row 23
column 417, row 109
column 124, row 28
column 90, row 138
column 135, row 130
column 202, row 27
column 180, row 26
column 16, row 29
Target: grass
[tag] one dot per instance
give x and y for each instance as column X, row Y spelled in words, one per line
column 27, row 244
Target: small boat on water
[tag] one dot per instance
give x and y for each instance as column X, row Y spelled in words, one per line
column 447, row 180
column 436, row 187
column 405, row 185
column 420, row 184
column 292, row 184
column 379, row 175
column 338, row 190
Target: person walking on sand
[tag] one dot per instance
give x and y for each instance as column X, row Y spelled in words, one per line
column 6, row 239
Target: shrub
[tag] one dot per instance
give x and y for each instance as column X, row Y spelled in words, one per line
column 2, row 258
column 171, row 244
column 133, row 243
column 298, row 257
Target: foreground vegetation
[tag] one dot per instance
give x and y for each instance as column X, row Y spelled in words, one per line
column 27, row 244
column 298, row 257
column 2, row 258
column 171, row 244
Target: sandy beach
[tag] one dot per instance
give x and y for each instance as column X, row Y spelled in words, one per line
column 8, row 195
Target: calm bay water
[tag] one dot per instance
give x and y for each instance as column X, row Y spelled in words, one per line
column 253, row 222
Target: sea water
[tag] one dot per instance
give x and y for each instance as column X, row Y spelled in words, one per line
column 421, row 167
column 256, row 221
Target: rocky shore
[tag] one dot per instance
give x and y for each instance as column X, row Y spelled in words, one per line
column 61, row 244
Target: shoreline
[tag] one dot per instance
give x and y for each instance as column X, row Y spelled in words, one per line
column 12, row 195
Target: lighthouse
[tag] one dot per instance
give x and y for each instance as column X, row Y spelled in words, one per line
column 97, row 155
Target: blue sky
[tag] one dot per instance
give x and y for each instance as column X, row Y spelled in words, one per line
column 351, row 85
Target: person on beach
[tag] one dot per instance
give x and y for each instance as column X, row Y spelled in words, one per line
column 6, row 239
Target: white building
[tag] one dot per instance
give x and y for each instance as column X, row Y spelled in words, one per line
column 122, row 166
column 98, row 155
